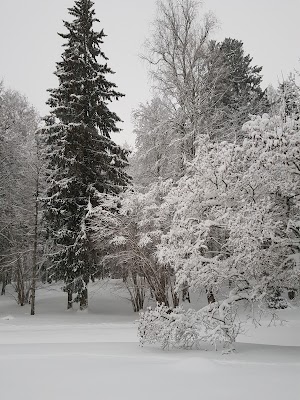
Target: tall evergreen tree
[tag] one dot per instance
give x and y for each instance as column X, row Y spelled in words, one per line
column 82, row 158
column 237, row 87
column 243, row 79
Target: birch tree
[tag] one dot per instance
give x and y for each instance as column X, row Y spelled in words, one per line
column 18, row 122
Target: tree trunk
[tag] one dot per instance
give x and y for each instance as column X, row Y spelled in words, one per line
column 139, row 295
column 3, row 288
column 70, row 298
column 4, row 283
column 84, row 299
column 291, row 294
column 162, row 298
column 186, row 295
column 34, row 258
column 175, row 297
column 20, row 284
column 210, row 297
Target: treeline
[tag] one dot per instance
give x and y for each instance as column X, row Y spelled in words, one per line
column 208, row 201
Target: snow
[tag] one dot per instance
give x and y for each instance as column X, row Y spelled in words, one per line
column 60, row 354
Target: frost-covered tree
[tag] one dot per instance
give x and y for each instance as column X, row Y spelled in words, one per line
column 177, row 56
column 233, row 231
column 202, row 88
column 82, row 158
column 18, row 174
column 289, row 97
column 131, row 229
column 157, row 152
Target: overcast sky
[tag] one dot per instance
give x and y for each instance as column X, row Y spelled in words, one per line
column 29, row 46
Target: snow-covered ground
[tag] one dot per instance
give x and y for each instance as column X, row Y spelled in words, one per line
column 60, row 354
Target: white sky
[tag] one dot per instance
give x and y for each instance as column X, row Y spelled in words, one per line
column 29, row 46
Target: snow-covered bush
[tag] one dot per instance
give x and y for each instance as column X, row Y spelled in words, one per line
column 215, row 324
column 126, row 232
column 170, row 328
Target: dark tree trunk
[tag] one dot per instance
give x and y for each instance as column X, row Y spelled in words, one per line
column 162, row 298
column 210, row 297
column 34, row 258
column 4, row 283
column 186, row 294
column 20, row 284
column 139, row 295
column 70, row 298
column 83, row 302
column 291, row 294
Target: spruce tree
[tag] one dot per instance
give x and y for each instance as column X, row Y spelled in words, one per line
column 82, row 158
column 237, row 87
column 243, row 80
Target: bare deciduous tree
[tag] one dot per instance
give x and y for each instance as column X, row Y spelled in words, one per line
column 178, row 57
